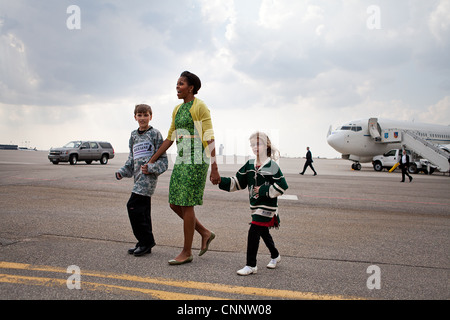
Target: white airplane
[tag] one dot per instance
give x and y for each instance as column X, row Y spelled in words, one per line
column 361, row 140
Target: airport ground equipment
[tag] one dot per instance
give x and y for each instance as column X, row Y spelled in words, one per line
column 394, row 167
column 391, row 160
column 433, row 157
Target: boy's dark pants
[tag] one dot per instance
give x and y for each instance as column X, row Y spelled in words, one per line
column 254, row 233
column 139, row 209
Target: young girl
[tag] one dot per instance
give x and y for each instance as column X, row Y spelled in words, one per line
column 265, row 182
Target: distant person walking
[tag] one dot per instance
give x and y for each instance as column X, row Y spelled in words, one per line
column 404, row 165
column 308, row 162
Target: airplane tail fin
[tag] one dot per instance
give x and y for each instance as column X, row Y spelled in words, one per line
column 329, row 131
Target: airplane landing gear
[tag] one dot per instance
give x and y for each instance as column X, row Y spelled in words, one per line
column 356, row 166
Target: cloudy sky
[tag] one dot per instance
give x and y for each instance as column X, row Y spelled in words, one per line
column 288, row 67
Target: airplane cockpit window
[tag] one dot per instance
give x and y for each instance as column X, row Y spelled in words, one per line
column 351, row 128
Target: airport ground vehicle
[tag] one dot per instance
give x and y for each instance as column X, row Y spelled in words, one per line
column 390, row 158
column 87, row 151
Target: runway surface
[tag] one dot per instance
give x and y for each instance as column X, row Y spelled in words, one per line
column 344, row 235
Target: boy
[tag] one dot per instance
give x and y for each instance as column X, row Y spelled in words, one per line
column 143, row 144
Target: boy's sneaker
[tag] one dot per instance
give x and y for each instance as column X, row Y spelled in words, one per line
column 245, row 271
column 273, row 263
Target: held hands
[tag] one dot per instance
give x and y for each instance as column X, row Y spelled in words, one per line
column 215, row 177
column 144, row 169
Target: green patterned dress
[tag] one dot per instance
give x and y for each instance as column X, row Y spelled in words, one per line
column 188, row 178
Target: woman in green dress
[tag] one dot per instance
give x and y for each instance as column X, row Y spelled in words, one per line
column 191, row 128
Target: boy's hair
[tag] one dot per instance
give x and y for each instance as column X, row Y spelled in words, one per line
column 142, row 108
column 272, row 152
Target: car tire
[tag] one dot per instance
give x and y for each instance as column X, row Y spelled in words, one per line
column 73, row 159
column 104, row 159
column 412, row 168
column 377, row 166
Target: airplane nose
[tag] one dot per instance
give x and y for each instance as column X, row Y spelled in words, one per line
column 335, row 140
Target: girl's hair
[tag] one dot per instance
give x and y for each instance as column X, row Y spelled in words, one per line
column 272, row 152
column 192, row 80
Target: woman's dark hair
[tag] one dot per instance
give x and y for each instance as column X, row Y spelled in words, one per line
column 192, row 80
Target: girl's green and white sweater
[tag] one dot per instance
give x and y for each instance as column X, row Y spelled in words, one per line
column 270, row 179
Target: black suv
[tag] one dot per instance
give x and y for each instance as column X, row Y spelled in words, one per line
column 87, row 151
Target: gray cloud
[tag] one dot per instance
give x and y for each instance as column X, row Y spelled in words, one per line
column 317, row 56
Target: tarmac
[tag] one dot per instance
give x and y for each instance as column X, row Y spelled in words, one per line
column 344, row 234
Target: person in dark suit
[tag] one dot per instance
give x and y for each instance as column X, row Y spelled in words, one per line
column 404, row 164
column 308, row 162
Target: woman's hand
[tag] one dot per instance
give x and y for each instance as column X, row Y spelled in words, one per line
column 163, row 148
column 215, row 176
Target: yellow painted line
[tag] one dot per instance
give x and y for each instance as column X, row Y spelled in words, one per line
column 52, row 282
column 264, row 292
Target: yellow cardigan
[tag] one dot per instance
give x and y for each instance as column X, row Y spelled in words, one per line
column 202, row 122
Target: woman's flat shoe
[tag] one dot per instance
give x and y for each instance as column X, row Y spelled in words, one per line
column 174, row 262
column 211, row 238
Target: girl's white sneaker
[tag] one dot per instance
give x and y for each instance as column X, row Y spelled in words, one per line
column 245, row 271
column 273, row 263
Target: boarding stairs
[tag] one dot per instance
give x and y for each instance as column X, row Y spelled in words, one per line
column 412, row 142
column 426, row 150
